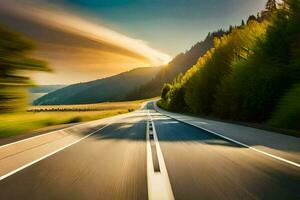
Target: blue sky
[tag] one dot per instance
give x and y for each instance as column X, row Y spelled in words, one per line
column 169, row 25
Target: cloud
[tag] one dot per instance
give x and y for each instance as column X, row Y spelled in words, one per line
column 77, row 49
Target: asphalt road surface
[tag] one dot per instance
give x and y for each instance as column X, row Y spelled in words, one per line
column 112, row 164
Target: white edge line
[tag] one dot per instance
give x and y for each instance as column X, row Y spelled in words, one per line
column 160, row 193
column 50, row 154
column 235, row 141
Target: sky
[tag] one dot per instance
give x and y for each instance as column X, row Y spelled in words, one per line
column 86, row 40
column 169, row 25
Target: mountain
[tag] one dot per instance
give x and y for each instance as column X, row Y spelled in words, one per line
column 114, row 88
column 41, row 90
column 45, row 88
column 180, row 64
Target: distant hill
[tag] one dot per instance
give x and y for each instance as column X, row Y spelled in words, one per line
column 41, row 90
column 45, row 88
column 180, row 64
column 113, row 88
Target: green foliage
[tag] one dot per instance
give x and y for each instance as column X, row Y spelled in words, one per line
column 13, row 62
column 256, row 84
column 248, row 93
column 176, row 98
column 245, row 76
column 165, row 90
column 287, row 113
column 173, row 97
column 202, row 86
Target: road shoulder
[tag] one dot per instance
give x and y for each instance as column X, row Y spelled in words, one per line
column 37, row 132
column 18, row 155
column 287, row 147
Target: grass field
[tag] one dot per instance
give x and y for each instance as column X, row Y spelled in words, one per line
column 42, row 116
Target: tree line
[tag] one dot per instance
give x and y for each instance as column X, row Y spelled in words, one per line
column 251, row 74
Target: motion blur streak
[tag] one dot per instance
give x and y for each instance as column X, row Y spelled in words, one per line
column 76, row 25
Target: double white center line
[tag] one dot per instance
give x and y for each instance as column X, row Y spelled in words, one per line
column 159, row 186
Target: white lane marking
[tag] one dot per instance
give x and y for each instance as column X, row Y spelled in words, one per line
column 159, row 186
column 237, row 142
column 50, row 154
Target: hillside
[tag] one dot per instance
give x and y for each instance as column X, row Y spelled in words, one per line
column 110, row 89
column 251, row 75
column 41, row 90
column 180, row 64
column 45, row 88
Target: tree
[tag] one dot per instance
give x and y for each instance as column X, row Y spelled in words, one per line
column 251, row 18
column 165, row 90
column 13, row 63
column 259, row 17
column 243, row 23
column 271, row 5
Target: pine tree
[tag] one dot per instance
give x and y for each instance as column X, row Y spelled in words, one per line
column 243, row 23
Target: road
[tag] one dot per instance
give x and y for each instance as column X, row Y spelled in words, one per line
column 127, row 159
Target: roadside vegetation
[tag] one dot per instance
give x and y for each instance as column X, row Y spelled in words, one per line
column 252, row 74
column 130, row 105
column 42, row 116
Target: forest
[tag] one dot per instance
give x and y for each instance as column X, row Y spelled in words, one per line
column 251, row 74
